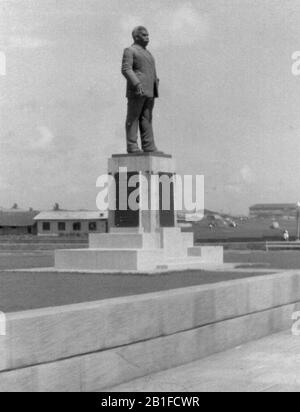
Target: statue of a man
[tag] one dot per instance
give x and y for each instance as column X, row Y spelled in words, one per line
column 138, row 67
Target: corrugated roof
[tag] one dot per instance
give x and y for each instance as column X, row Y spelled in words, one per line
column 71, row 215
column 17, row 218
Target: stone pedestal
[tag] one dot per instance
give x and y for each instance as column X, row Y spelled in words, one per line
column 151, row 178
column 145, row 238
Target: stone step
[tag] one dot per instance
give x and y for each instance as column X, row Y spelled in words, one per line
column 126, row 230
column 174, row 242
column 184, row 263
column 108, row 259
column 190, row 263
column 124, row 240
column 209, row 254
column 188, row 239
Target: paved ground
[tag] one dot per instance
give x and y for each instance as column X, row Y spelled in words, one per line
column 271, row 364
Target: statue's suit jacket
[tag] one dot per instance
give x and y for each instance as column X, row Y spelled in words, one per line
column 138, row 66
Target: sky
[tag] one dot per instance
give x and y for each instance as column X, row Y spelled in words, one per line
column 229, row 105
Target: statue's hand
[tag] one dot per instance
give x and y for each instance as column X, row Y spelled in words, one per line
column 140, row 90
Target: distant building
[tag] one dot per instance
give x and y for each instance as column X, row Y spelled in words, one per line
column 274, row 210
column 17, row 222
column 61, row 222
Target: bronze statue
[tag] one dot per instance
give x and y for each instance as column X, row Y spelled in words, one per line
column 138, row 67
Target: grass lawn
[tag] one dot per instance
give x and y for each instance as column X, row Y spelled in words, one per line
column 250, row 229
column 24, row 260
column 24, row 290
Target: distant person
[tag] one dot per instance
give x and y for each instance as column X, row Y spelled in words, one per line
column 286, row 236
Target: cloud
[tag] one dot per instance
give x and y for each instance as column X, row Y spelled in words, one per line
column 3, row 184
column 2, row 64
column 23, row 42
column 24, row 139
column 186, row 25
column 43, row 140
column 234, row 188
column 248, row 174
column 180, row 26
column 239, row 183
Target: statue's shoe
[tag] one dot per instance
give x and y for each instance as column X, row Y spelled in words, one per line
column 154, row 151
column 134, row 151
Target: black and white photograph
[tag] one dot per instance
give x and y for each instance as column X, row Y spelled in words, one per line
column 149, row 199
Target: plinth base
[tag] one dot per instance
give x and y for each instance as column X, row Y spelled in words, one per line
column 167, row 249
column 142, row 223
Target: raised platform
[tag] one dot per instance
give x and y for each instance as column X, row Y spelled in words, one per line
column 125, row 240
column 143, row 233
column 142, row 162
column 94, row 346
column 167, row 249
column 143, row 154
column 109, row 259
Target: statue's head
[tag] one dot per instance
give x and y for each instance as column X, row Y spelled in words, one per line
column 141, row 36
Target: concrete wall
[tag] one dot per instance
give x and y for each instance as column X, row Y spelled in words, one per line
column 96, row 345
column 20, row 230
column 101, row 227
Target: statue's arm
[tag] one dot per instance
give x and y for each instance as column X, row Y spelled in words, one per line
column 127, row 68
column 156, row 77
